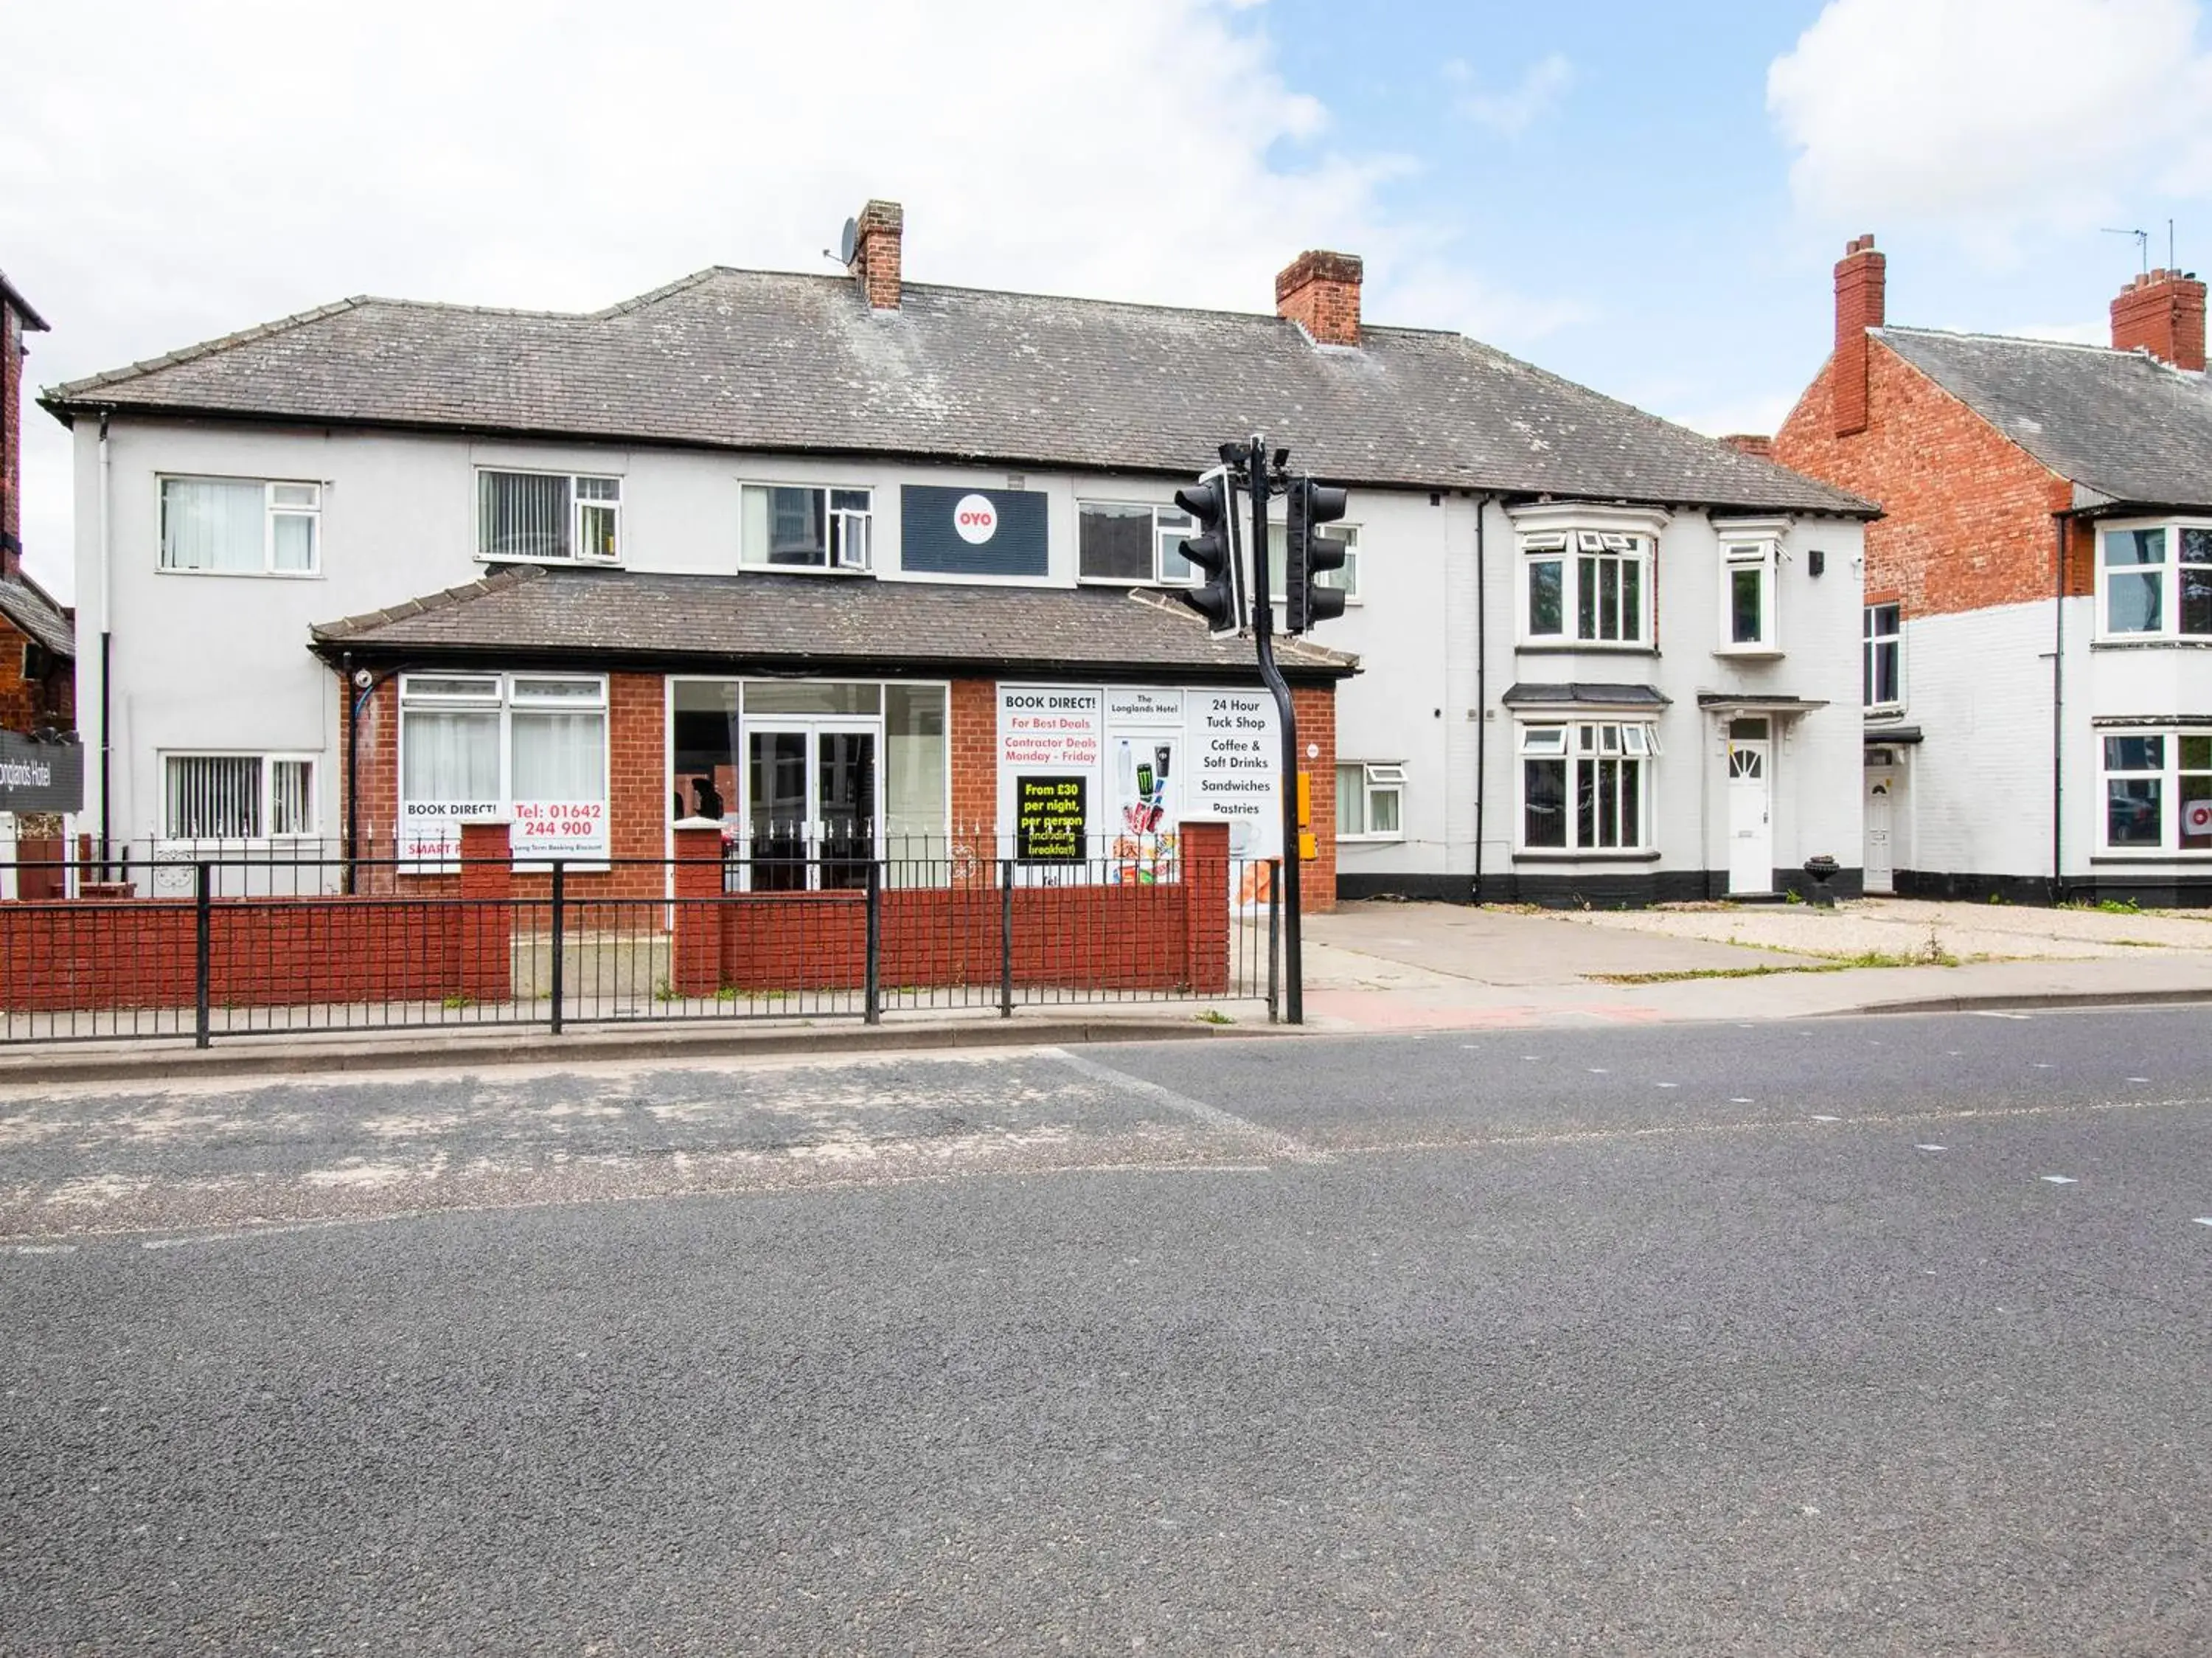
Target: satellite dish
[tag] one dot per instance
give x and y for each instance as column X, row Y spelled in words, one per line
column 849, row 240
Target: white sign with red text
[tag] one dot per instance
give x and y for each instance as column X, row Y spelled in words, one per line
column 562, row 829
column 975, row 519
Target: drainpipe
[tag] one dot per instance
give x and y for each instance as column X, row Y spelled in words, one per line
column 2058, row 713
column 1481, row 684
column 107, row 654
column 357, row 695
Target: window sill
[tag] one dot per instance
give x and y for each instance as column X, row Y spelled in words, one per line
column 245, row 575
column 1549, row 856
column 562, row 563
column 2151, row 857
column 2152, row 642
column 1584, row 647
column 843, row 571
column 1749, row 652
column 1371, row 840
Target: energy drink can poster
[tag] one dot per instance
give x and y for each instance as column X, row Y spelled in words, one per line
column 1146, row 768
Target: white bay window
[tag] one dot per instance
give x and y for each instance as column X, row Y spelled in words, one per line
column 1585, row 587
column 2155, row 581
column 2157, row 791
column 1585, row 786
column 529, row 748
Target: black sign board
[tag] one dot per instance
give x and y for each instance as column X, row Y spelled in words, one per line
column 40, row 776
column 1048, row 820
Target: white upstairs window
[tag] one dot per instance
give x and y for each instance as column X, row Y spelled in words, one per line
column 548, row 517
column 241, row 525
column 1747, row 584
column 794, row 527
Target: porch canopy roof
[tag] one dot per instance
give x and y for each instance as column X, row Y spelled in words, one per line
column 529, row 615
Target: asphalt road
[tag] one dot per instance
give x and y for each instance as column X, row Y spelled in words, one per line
column 1857, row 1336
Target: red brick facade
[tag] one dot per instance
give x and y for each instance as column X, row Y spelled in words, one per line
column 48, row 699
column 1968, row 519
column 11, row 429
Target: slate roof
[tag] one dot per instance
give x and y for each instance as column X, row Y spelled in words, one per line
column 1579, row 692
column 765, row 360
column 33, row 322
column 2121, row 424
column 530, row 613
column 39, row 618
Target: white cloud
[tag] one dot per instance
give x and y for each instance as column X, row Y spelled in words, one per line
column 1992, row 117
column 1520, row 107
column 550, row 157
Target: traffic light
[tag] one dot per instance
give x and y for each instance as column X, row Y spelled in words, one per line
column 1212, row 504
column 1309, row 554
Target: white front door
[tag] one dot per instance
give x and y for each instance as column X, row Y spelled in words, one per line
column 1880, row 858
column 1750, row 813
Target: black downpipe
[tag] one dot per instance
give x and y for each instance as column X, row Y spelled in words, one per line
column 2058, row 717
column 1481, row 685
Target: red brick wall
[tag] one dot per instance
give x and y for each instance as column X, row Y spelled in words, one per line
column 972, row 726
column 26, row 704
column 11, row 426
column 1316, row 708
column 1968, row 521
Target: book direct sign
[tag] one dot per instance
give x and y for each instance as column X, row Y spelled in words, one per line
column 430, row 831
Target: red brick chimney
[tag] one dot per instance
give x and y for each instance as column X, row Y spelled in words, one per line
column 875, row 264
column 1320, row 292
column 2162, row 312
column 1861, row 276
column 1751, row 443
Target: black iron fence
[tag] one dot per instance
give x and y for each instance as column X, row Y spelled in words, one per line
column 289, row 941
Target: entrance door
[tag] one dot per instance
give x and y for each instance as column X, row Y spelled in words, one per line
column 1880, row 853
column 1750, row 808
column 811, row 800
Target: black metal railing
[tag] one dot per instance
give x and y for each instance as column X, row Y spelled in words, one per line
column 290, row 941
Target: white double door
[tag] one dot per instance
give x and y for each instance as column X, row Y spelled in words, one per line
column 813, row 798
column 1750, row 808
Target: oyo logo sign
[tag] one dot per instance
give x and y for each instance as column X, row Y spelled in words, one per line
column 2196, row 817
column 977, row 519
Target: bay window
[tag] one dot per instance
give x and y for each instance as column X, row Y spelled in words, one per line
column 1586, row 786
column 241, row 525
column 2155, row 581
column 229, row 797
column 1133, row 543
column 544, row 516
column 1585, row 587
column 2157, row 791
column 790, row 527
column 529, row 749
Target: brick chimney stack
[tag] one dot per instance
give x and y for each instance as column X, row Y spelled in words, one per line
column 1861, row 277
column 16, row 319
column 876, row 244
column 2162, row 312
column 1320, row 292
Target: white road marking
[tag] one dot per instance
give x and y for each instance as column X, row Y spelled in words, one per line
column 1928, row 1148
column 1597, row 1071
column 2042, row 1065
column 234, row 1235
column 1992, row 1013
column 1281, row 1145
column 1738, row 1100
column 1665, row 1085
column 2061, row 1179
column 40, row 1249
column 2139, row 1079
column 1828, row 1119
column 2204, row 1220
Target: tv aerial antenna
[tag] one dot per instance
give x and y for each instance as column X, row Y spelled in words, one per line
column 2142, row 245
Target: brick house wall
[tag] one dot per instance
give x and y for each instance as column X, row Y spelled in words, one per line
column 28, row 704
column 1968, row 512
column 11, row 429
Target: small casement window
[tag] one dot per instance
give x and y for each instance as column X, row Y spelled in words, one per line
column 548, row 517
column 1883, row 659
column 1345, row 578
column 241, row 525
column 1747, row 588
column 1586, row 786
column 218, row 797
column 1369, row 801
column 2158, row 792
column 2155, row 581
column 806, row 526
column 1585, row 587
column 1136, row 544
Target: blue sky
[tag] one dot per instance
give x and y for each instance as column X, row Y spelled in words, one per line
column 1647, row 198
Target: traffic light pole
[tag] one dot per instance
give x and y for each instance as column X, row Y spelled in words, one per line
column 1261, row 473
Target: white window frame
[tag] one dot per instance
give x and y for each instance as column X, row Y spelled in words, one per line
column 1171, row 525
column 266, row 761
column 2173, row 797
column 272, row 511
column 579, row 503
column 2169, row 574
column 502, row 693
column 1376, row 777
column 1871, row 642
column 848, row 532
column 1574, row 741
column 1346, row 579
column 1568, row 546
column 1762, row 556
